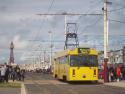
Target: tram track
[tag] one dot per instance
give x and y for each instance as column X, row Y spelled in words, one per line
column 36, row 84
column 48, row 85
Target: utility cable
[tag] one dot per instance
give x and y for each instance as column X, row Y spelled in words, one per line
column 89, row 9
column 117, row 21
column 114, row 10
column 50, row 6
column 48, row 10
column 90, row 25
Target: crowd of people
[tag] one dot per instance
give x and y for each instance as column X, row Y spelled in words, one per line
column 116, row 72
column 8, row 72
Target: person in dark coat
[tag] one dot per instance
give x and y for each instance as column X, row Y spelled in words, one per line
column 7, row 73
column 18, row 73
column 111, row 72
column 13, row 73
column 0, row 75
column 22, row 72
column 122, row 72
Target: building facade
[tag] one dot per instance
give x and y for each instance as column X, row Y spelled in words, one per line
column 114, row 57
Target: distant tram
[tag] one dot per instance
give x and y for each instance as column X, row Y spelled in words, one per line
column 79, row 64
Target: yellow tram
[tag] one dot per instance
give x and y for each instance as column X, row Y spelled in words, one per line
column 79, row 64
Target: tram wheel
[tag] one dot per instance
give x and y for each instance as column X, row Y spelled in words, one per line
column 64, row 78
column 55, row 75
column 95, row 82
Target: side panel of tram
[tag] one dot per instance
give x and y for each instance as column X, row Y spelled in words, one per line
column 61, row 68
column 66, row 70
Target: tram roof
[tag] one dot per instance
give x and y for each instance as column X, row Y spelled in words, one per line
column 73, row 52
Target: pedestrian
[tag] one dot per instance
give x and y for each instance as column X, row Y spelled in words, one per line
column 3, row 71
column 18, row 73
column 115, row 77
column 22, row 75
column 118, row 73
column 122, row 72
column 10, row 72
column 0, row 75
column 111, row 73
column 13, row 73
column 7, row 73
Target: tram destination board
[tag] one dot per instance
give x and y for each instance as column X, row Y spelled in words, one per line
column 83, row 50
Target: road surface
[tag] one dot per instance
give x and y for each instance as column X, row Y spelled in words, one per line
column 38, row 83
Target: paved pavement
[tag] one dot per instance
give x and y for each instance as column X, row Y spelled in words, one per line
column 43, row 84
column 10, row 91
column 116, row 84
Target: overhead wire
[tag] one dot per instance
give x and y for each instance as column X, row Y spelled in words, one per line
column 53, row 2
column 94, row 19
column 114, row 10
column 51, row 5
column 48, row 10
column 87, row 12
column 117, row 21
column 89, row 9
column 117, row 9
column 109, row 19
column 90, row 25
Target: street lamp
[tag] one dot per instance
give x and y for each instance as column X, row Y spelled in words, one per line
column 50, row 34
column 105, row 40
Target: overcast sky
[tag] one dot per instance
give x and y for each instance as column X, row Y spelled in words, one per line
column 20, row 23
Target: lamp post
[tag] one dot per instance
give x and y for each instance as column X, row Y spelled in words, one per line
column 105, row 29
column 105, row 42
column 50, row 33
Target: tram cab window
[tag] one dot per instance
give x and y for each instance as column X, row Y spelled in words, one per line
column 83, row 60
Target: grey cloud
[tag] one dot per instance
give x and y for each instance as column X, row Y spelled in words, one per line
column 18, row 17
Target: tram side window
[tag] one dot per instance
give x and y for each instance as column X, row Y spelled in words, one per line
column 67, row 60
column 63, row 60
column 56, row 61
